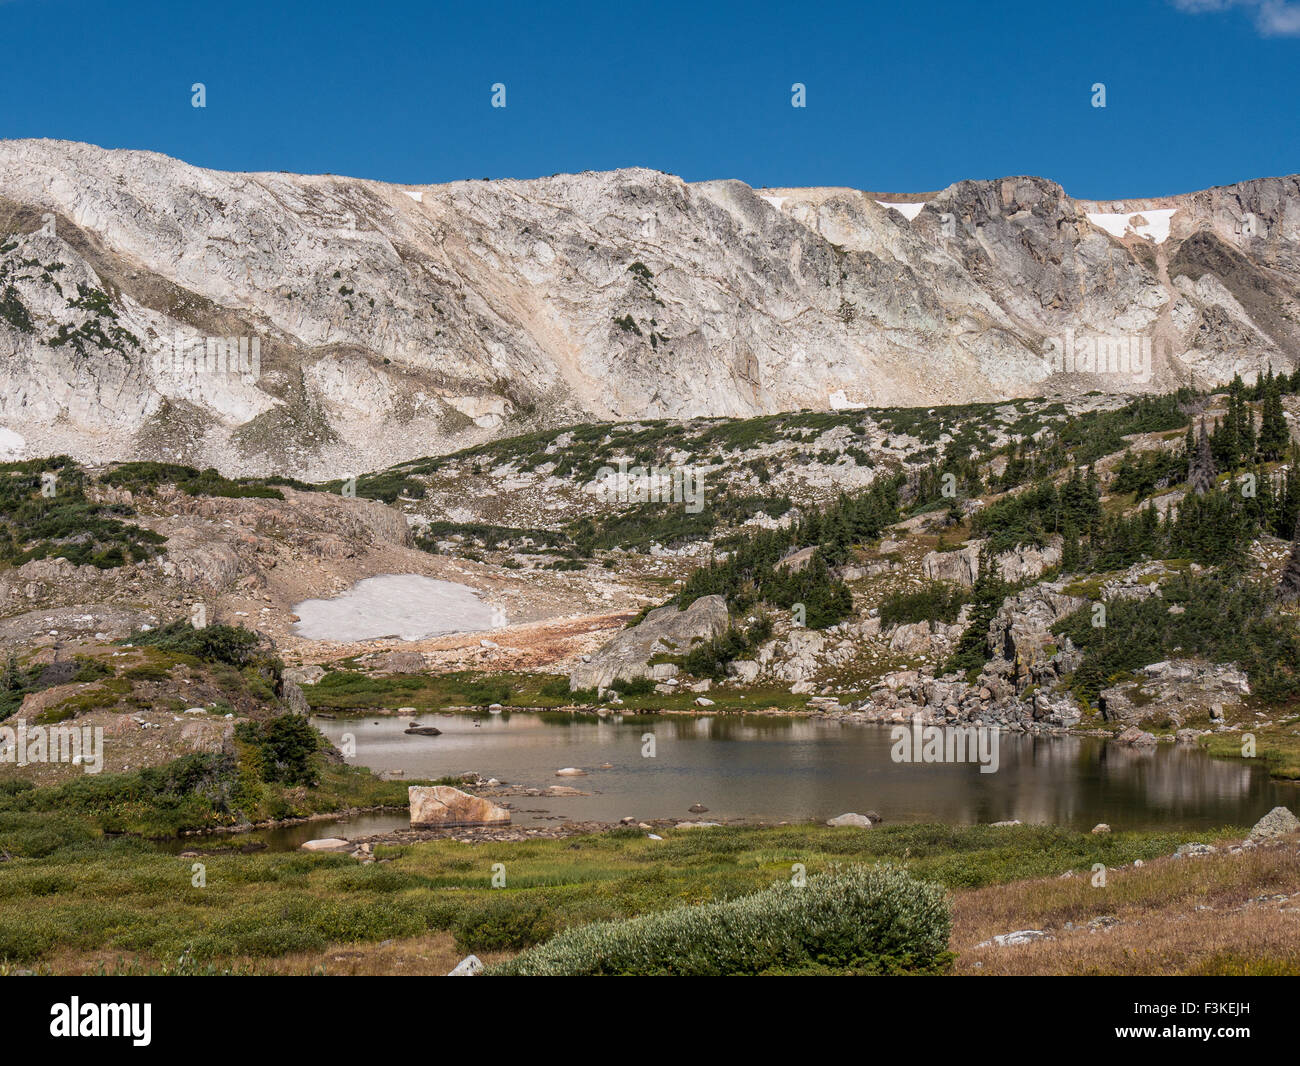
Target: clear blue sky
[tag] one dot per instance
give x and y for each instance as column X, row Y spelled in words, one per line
column 904, row 96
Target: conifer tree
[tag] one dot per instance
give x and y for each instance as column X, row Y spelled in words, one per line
column 1274, row 435
column 1201, row 471
column 1288, row 588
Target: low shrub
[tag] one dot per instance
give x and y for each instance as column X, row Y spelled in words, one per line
column 938, row 601
column 873, row 919
column 503, row 923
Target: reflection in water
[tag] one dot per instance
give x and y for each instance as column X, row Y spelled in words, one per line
column 790, row 769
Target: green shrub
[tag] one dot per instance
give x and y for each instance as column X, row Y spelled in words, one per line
column 873, row 919
column 938, row 601
column 503, row 923
column 710, row 658
column 286, row 744
column 638, row 686
column 232, row 645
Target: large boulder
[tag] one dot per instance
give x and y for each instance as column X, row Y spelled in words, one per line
column 326, row 844
column 665, row 630
column 961, row 566
column 1137, row 738
column 743, row 670
column 442, row 805
column 294, row 698
column 856, row 821
column 1278, row 822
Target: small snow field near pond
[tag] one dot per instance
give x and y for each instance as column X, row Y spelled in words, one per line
column 407, row 606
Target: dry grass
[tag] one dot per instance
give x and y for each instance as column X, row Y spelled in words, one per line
column 431, row 955
column 1221, row 914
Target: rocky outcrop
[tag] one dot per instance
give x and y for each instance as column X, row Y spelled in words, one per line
column 438, row 806
column 962, row 566
column 1021, row 631
column 665, row 630
column 1176, row 690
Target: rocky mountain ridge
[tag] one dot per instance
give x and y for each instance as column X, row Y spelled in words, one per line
column 382, row 322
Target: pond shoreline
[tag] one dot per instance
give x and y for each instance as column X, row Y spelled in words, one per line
column 279, row 823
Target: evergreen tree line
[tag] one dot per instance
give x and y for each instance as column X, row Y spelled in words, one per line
column 1031, row 516
column 1237, row 441
column 752, row 574
column 1211, row 529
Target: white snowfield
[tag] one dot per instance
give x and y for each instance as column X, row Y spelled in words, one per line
column 11, row 444
column 407, row 605
column 908, row 211
column 1152, row 224
column 839, row 401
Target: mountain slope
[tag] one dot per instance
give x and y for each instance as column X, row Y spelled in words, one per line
column 395, row 321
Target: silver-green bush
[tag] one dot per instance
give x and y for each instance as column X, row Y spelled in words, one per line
column 875, row 919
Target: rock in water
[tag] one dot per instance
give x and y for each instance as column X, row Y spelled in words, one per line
column 442, row 805
column 1277, row 822
column 1136, row 738
column 423, row 731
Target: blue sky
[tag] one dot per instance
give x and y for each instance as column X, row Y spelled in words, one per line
column 903, row 97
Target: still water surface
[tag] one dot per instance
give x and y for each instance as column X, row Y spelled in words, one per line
column 770, row 769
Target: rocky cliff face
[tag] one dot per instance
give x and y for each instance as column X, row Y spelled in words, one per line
column 381, row 322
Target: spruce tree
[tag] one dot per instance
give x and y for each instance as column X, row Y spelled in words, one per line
column 1201, row 471
column 1288, row 588
column 1274, row 435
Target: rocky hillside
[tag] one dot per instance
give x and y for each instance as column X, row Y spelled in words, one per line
column 399, row 321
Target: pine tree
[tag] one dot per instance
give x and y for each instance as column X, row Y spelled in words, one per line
column 1245, row 431
column 1201, row 471
column 1274, row 435
column 1288, row 588
column 10, row 677
column 1071, row 553
column 1223, row 441
column 1288, row 510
